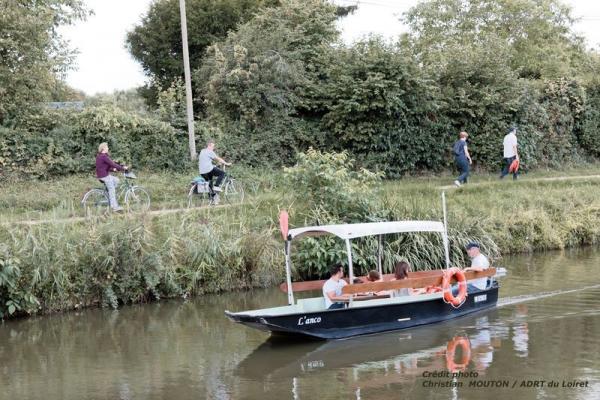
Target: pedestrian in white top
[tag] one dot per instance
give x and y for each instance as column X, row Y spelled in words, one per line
column 510, row 152
column 479, row 262
column 207, row 169
column 332, row 289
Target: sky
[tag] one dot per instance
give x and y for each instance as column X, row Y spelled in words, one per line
column 104, row 64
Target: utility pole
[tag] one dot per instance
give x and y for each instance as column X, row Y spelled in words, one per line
column 188, row 81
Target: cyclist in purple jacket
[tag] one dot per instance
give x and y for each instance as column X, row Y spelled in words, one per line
column 104, row 165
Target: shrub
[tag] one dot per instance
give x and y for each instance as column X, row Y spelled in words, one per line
column 43, row 147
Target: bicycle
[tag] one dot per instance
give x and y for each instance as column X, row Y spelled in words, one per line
column 135, row 198
column 200, row 192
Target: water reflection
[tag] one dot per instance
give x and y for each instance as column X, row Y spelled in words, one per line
column 189, row 350
column 521, row 332
column 393, row 357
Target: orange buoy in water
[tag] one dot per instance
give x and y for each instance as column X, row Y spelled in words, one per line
column 465, row 345
column 449, row 297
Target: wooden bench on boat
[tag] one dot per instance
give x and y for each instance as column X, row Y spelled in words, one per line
column 415, row 280
column 419, row 279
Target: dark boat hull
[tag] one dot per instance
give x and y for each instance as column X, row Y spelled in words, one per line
column 348, row 322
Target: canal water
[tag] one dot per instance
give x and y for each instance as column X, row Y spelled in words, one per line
column 541, row 342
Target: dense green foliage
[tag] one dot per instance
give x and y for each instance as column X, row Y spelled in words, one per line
column 536, row 36
column 375, row 103
column 331, row 189
column 156, row 41
column 282, row 82
column 255, row 80
column 60, row 143
column 32, row 53
column 273, row 79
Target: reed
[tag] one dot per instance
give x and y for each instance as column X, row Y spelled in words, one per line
column 137, row 258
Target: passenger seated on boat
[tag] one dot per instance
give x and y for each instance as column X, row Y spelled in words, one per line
column 357, row 281
column 374, row 276
column 479, row 262
column 332, row 289
column 401, row 271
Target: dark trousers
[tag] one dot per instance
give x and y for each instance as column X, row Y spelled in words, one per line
column 214, row 172
column 507, row 162
column 336, row 306
column 463, row 166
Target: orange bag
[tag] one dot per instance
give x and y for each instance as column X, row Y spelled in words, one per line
column 514, row 167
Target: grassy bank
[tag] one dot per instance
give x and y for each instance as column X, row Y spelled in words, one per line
column 135, row 258
column 130, row 259
column 61, row 198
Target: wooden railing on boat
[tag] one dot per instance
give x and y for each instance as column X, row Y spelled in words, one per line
column 417, row 279
column 413, row 281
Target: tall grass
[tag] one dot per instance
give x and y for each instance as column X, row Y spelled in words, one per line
column 131, row 260
column 137, row 258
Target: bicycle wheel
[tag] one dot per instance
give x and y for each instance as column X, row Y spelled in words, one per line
column 196, row 199
column 137, row 199
column 233, row 192
column 95, row 203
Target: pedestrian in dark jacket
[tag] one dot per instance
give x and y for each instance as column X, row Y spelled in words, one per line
column 462, row 158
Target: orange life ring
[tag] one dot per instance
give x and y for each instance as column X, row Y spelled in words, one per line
column 462, row 286
column 465, row 345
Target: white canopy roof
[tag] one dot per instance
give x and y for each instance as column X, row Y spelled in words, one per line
column 351, row 231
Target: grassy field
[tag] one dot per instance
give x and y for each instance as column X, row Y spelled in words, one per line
column 63, row 264
column 61, row 198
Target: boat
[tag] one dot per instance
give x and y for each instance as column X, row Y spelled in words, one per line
column 369, row 314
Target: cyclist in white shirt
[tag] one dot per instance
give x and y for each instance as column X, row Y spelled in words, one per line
column 207, row 169
column 510, row 152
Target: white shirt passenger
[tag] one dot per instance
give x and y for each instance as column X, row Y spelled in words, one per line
column 331, row 286
column 510, row 143
column 480, row 261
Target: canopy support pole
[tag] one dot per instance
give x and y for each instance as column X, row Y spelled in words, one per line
column 349, row 251
column 288, row 272
column 379, row 267
column 445, row 233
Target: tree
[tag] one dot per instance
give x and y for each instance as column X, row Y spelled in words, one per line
column 63, row 92
column 256, row 79
column 537, row 33
column 125, row 100
column 376, row 103
column 156, row 41
column 33, row 56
